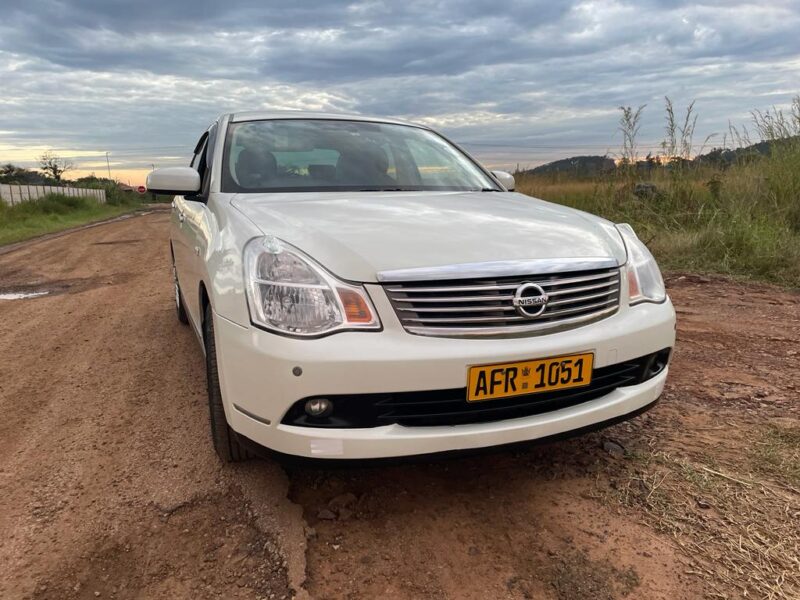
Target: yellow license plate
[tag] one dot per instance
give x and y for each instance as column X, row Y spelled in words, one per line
column 505, row 380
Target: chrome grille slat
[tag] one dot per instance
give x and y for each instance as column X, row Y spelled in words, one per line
column 571, row 280
column 569, row 311
column 445, row 321
column 506, row 297
column 454, row 309
column 587, row 288
column 483, row 307
column 581, row 298
column 473, row 288
column 506, row 331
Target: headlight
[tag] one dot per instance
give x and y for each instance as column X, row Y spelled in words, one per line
column 289, row 293
column 645, row 283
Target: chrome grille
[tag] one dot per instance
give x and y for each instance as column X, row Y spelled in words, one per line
column 483, row 307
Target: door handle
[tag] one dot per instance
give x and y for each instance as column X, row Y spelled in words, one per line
column 181, row 216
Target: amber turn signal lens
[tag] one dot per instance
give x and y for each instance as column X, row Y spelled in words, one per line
column 355, row 307
column 633, row 284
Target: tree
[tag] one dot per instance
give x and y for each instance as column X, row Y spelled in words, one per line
column 7, row 171
column 13, row 174
column 53, row 165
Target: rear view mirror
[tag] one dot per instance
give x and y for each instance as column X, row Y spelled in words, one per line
column 505, row 179
column 180, row 181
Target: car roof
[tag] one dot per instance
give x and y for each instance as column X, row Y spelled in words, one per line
column 263, row 115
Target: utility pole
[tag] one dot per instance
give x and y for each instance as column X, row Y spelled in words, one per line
column 108, row 164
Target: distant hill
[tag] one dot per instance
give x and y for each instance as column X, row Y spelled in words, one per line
column 726, row 157
column 580, row 166
column 588, row 166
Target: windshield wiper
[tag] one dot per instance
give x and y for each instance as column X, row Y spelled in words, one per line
column 386, row 189
column 489, row 190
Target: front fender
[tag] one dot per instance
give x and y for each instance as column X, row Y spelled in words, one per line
column 222, row 270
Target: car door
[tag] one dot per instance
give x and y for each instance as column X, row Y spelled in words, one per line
column 183, row 239
column 196, row 225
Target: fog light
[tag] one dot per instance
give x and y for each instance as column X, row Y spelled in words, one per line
column 319, row 407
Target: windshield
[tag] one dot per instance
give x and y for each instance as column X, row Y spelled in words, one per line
column 294, row 155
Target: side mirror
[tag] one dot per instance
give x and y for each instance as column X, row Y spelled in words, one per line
column 505, row 179
column 180, row 181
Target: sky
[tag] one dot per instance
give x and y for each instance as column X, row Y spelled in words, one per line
column 517, row 83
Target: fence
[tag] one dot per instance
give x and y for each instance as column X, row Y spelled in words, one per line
column 14, row 194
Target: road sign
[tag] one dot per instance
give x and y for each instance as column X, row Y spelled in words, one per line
column 141, row 189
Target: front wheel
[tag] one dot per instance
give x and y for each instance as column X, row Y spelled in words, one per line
column 224, row 438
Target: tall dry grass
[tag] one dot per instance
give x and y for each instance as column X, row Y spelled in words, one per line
column 741, row 219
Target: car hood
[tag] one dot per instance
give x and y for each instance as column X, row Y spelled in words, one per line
column 356, row 235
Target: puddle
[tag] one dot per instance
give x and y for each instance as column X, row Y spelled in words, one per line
column 40, row 287
column 22, row 295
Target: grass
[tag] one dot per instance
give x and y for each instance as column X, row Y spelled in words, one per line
column 741, row 220
column 777, row 454
column 56, row 212
column 740, row 530
column 746, row 228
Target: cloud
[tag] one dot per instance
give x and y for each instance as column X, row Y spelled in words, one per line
column 515, row 81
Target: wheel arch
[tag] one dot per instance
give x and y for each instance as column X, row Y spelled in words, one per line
column 204, row 302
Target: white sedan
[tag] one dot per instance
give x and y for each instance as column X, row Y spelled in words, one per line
column 363, row 288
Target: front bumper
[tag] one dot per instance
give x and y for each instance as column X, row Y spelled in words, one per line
column 259, row 385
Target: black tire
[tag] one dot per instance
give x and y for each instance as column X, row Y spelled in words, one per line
column 180, row 306
column 225, row 441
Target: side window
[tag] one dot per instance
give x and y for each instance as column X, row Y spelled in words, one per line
column 199, row 150
column 203, row 158
column 208, row 160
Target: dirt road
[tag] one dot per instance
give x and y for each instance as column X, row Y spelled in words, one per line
column 110, row 487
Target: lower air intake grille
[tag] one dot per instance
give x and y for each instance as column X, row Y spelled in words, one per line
column 450, row 407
